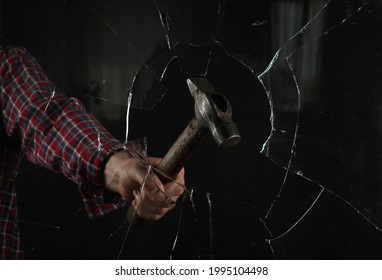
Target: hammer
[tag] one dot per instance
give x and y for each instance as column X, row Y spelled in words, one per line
column 213, row 113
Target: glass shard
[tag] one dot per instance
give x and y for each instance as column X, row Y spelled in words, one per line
column 315, row 136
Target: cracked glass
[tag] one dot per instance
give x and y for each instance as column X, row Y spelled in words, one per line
column 303, row 80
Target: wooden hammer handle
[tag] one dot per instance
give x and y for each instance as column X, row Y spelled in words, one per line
column 181, row 149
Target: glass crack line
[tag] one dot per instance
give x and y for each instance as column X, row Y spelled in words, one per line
column 325, row 33
column 359, row 212
column 208, row 63
column 267, row 87
column 119, row 35
column 129, row 98
column 111, row 235
column 50, row 99
column 40, row 224
column 292, row 152
column 99, row 147
column 149, row 170
column 99, row 142
column 271, row 247
column 300, row 219
column 166, row 25
column 266, row 227
column 191, row 193
column 178, row 230
column 211, row 224
column 104, row 100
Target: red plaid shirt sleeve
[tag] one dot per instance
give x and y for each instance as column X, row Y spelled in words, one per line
column 53, row 130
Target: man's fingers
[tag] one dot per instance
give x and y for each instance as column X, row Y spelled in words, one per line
column 180, row 177
column 150, row 209
column 154, row 161
column 173, row 189
column 155, row 199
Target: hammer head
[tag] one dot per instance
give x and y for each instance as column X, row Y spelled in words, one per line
column 214, row 112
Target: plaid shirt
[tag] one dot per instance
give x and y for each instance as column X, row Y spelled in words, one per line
column 51, row 130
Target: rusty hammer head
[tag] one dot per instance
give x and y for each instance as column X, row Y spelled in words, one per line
column 214, row 112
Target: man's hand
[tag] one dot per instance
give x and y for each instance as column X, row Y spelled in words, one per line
column 125, row 175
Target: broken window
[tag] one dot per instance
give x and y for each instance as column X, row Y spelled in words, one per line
column 303, row 81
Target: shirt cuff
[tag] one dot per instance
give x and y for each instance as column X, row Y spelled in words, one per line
column 92, row 188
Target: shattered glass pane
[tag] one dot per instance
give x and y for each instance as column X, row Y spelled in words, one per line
column 303, row 81
column 326, row 134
